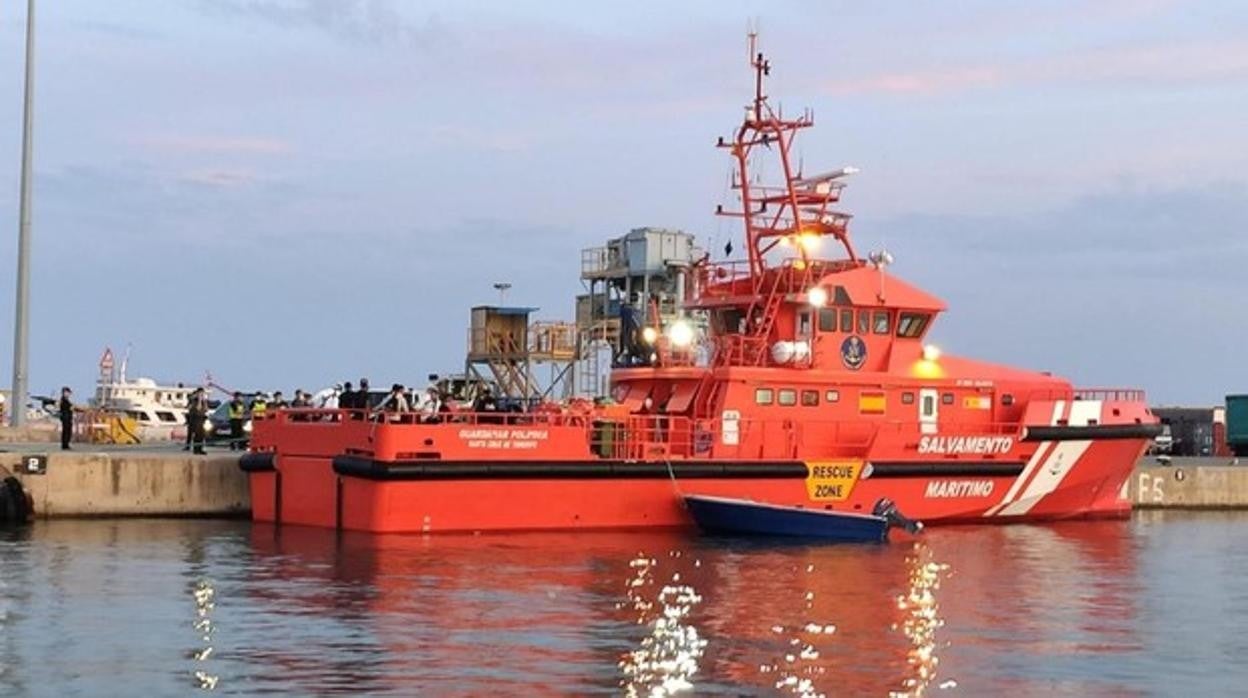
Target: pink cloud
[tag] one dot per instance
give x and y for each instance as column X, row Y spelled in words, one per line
column 1155, row 64
column 215, row 144
column 219, row 177
column 926, row 82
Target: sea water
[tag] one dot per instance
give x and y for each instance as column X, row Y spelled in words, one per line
column 1154, row 605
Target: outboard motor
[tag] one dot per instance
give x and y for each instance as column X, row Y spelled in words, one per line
column 887, row 509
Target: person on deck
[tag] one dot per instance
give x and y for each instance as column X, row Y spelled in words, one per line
column 485, row 402
column 431, row 406
column 395, row 402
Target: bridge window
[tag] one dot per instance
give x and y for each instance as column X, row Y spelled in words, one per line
column 911, row 324
column 803, row 324
column 946, row 399
column 832, row 396
column 788, row 397
column 810, row 398
column 907, row 398
column 764, row 396
column 827, row 319
column 847, row 321
column 864, row 322
column 166, row 417
column 880, row 322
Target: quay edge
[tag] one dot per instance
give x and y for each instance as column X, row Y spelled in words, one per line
column 119, row 483
column 128, row 484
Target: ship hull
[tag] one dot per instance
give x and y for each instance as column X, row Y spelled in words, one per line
column 352, row 493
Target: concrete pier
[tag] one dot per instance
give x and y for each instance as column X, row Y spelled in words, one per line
column 121, row 483
column 1190, row 484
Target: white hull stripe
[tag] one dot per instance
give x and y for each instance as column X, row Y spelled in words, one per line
column 1036, row 458
column 1060, row 462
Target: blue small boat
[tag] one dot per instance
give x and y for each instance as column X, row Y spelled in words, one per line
column 746, row 517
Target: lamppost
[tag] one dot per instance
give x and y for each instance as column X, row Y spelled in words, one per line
column 502, row 288
column 21, row 319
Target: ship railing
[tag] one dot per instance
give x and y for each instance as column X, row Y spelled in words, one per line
column 1111, row 394
column 660, row 436
column 738, row 349
column 1103, row 394
column 490, row 418
column 641, row 437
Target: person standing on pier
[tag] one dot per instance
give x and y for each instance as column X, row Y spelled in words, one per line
column 67, row 417
column 196, row 413
column 237, row 411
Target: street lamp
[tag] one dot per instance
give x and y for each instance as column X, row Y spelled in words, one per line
column 21, row 319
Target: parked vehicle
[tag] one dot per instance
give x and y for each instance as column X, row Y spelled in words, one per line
column 1164, row 443
column 1237, row 424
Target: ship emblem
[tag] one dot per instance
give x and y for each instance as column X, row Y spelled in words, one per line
column 853, row 352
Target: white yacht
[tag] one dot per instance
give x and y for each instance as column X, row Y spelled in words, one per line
column 159, row 411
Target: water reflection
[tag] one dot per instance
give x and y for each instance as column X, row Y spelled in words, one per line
column 1074, row 609
column 667, row 658
column 204, row 594
column 921, row 621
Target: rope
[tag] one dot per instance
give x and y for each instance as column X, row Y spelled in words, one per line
column 672, row 474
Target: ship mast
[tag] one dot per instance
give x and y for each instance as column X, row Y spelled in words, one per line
column 796, row 213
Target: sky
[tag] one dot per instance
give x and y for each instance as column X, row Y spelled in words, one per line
column 288, row 193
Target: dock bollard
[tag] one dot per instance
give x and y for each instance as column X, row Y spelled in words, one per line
column 15, row 504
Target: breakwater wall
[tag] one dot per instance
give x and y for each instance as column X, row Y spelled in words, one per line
column 1188, row 484
column 120, row 483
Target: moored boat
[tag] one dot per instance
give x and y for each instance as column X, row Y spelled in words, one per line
column 744, row 517
column 797, row 377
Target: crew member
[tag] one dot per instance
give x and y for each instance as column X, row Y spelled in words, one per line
column 67, row 417
column 346, row 399
column 362, row 398
column 259, row 406
column 237, row 411
column 279, row 402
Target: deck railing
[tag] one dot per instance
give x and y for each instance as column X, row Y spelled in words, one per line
column 1111, row 394
column 651, row 437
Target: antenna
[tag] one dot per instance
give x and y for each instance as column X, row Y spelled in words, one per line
column 502, row 287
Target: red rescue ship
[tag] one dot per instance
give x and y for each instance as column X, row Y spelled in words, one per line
column 796, row 379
